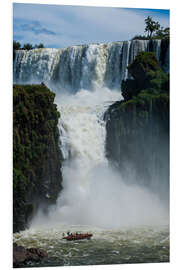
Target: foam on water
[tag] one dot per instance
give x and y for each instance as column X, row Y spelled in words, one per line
column 142, row 244
column 124, row 219
column 94, row 193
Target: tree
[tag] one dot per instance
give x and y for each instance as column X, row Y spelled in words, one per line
column 147, row 75
column 27, row 46
column 40, row 46
column 16, row 45
column 140, row 37
column 163, row 33
column 151, row 26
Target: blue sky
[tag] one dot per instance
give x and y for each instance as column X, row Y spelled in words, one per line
column 60, row 26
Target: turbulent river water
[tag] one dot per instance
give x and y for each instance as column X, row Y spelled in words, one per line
column 135, row 245
column 128, row 222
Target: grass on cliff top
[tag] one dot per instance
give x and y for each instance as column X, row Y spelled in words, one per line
column 31, row 91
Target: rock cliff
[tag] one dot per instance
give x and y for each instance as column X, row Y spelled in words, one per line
column 137, row 140
column 36, row 153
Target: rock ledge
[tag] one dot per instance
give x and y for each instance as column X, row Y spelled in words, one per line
column 21, row 255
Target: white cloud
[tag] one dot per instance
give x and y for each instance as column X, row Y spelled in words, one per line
column 76, row 25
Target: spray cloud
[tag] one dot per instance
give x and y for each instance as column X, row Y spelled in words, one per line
column 94, row 193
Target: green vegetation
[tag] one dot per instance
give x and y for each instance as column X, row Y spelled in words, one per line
column 40, row 46
column 149, row 82
column 163, row 33
column 140, row 37
column 27, row 46
column 36, row 154
column 147, row 74
column 151, row 26
column 154, row 31
column 138, row 126
column 16, row 46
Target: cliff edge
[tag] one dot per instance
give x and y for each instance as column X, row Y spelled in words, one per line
column 37, row 159
column 137, row 140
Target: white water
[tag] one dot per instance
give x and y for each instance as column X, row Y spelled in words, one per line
column 124, row 219
column 85, row 79
column 89, row 66
column 93, row 193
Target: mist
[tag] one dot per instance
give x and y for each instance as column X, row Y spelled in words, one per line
column 94, row 192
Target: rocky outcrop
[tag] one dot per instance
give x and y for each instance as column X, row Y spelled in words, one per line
column 137, row 141
column 21, row 255
column 36, row 153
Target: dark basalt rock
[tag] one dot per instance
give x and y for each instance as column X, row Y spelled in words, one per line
column 21, row 255
column 137, row 139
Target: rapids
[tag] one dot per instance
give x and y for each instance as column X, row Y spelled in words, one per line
column 137, row 245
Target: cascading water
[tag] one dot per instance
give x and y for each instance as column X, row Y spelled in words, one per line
column 82, row 67
column 124, row 219
column 93, row 192
column 94, row 196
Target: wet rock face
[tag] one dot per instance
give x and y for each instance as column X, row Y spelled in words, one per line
column 36, row 154
column 21, row 255
column 137, row 140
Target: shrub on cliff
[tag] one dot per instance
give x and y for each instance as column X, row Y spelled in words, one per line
column 147, row 73
column 137, row 139
column 36, row 154
column 40, row 46
column 27, row 46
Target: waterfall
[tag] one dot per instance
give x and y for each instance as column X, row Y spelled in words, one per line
column 87, row 79
column 129, row 222
column 82, row 67
column 94, row 193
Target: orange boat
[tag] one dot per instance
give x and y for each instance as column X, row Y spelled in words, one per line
column 79, row 236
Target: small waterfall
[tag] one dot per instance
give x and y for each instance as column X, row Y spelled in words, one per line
column 136, row 47
column 35, row 65
column 82, row 67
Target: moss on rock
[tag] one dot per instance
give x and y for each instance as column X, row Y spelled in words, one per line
column 137, row 127
column 36, row 154
column 146, row 73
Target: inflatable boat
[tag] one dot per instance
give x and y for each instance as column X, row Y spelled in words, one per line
column 78, row 236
